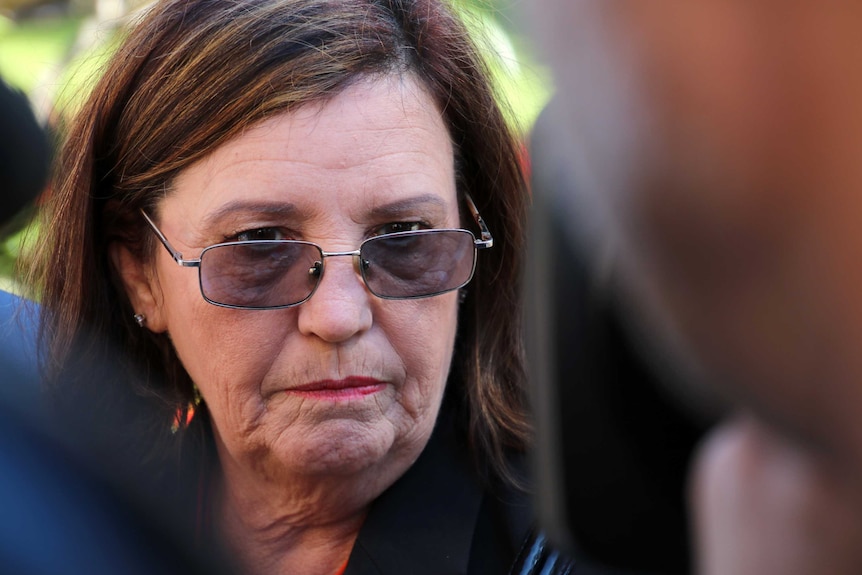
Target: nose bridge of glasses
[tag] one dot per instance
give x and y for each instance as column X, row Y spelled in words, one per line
column 317, row 270
column 355, row 254
column 337, row 254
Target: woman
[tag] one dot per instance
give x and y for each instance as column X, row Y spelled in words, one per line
column 342, row 397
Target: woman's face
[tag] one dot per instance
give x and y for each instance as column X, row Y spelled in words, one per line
column 345, row 382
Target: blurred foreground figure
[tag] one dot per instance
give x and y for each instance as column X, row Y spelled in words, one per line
column 716, row 145
column 24, row 158
column 24, row 153
column 70, row 504
column 616, row 436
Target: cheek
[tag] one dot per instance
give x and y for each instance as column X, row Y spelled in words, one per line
column 422, row 334
column 229, row 354
column 226, row 352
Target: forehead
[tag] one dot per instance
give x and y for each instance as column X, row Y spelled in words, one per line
column 381, row 140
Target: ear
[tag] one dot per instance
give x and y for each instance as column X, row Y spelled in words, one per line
column 141, row 285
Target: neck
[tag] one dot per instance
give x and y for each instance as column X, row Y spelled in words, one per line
column 273, row 535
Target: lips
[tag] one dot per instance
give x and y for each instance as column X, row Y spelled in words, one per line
column 346, row 388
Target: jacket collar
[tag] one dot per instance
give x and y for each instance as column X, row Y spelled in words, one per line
column 424, row 523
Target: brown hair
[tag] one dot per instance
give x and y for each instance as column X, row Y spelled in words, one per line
column 192, row 75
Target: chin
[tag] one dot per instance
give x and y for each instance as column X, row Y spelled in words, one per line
column 344, row 447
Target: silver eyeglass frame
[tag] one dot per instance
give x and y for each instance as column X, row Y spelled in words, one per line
column 485, row 241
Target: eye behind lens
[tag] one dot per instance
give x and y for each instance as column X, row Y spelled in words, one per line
column 261, row 274
column 418, row 264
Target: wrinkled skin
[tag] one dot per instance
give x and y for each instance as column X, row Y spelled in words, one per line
column 302, row 462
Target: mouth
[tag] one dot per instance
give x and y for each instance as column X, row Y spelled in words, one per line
column 339, row 389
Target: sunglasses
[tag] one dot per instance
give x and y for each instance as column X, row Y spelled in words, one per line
column 273, row 274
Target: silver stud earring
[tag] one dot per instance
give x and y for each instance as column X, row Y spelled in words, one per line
column 140, row 319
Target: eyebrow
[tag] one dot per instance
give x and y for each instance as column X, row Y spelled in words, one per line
column 280, row 210
column 398, row 207
column 289, row 211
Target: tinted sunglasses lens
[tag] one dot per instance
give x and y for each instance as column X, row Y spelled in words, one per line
column 418, row 264
column 259, row 274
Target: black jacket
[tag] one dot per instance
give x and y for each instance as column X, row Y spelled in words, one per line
column 439, row 519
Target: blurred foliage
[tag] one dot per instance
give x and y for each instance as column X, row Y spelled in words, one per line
column 52, row 50
column 31, row 48
column 524, row 86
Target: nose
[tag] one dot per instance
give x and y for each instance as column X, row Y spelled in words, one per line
column 340, row 307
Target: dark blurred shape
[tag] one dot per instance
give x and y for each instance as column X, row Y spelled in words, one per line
column 63, row 514
column 24, row 153
column 71, row 498
column 614, row 447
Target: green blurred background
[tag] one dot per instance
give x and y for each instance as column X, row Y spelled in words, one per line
column 53, row 49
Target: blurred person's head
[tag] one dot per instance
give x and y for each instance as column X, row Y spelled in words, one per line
column 24, row 153
column 720, row 140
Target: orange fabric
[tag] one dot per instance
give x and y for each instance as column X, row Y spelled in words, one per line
column 341, row 569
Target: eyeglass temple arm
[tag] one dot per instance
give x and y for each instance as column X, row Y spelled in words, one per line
column 178, row 257
column 486, row 240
